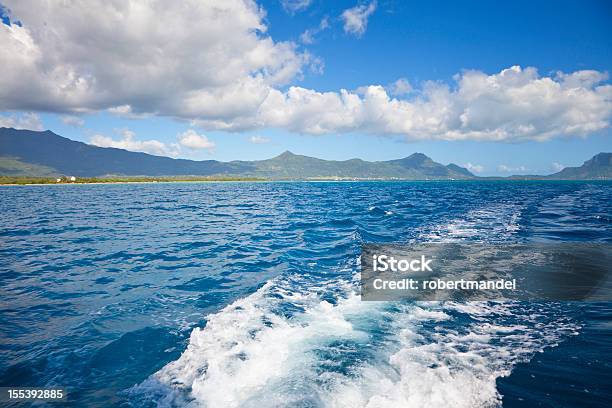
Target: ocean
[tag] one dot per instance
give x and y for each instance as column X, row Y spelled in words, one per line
column 247, row 295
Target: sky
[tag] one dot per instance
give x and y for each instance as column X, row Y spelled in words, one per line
column 498, row 87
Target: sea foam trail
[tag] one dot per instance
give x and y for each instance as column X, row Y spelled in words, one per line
column 298, row 341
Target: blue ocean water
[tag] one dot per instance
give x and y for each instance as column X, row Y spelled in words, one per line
column 246, row 294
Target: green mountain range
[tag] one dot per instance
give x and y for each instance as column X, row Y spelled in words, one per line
column 31, row 153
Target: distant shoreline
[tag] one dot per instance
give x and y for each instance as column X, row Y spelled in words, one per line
column 131, row 182
column 45, row 181
column 15, row 182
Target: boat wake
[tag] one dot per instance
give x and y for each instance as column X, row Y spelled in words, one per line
column 303, row 341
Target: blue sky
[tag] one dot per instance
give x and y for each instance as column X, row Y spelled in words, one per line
column 417, row 42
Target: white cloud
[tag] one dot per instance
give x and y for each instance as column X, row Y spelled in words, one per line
column 208, row 59
column 126, row 112
column 27, row 120
column 317, row 65
column 72, row 120
column 400, row 87
column 503, row 168
column 211, row 63
column 356, row 18
column 513, row 105
column 294, row 6
column 191, row 140
column 259, row 139
column 474, row 168
column 557, row 167
column 308, row 36
column 121, row 110
column 129, row 142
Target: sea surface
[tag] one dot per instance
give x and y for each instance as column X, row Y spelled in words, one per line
column 246, row 295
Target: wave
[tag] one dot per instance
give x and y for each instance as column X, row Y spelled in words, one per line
column 303, row 341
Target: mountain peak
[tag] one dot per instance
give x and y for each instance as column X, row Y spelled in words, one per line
column 417, row 158
column 600, row 159
column 597, row 167
column 6, row 129
column 414, row 160
column 286, row 155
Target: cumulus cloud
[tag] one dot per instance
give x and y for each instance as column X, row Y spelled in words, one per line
column 208, row 59
column 400, row 87
column 309, row 36
column 513, row 105
column 212, row 64
column 128, row 141
column 72, row 120
column 259, row 139
column 294, row 6
column 192, row 140
column 503, row 168
column 474, row 168
column 28, row 121
column 356, row 18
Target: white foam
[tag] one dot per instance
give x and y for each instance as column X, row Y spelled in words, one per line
column 444, row 368
column 285, row 346
column 248, row 351
column 498, row 222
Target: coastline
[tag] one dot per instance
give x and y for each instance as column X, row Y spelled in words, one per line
column 17, row 181
column 483, row 179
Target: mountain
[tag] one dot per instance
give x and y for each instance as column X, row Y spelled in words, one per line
column 25, row 152
column 10, row 166
column 30, row 153
column 460, row 170
column 598, row 167
column 67, row 156
column 416, row 166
